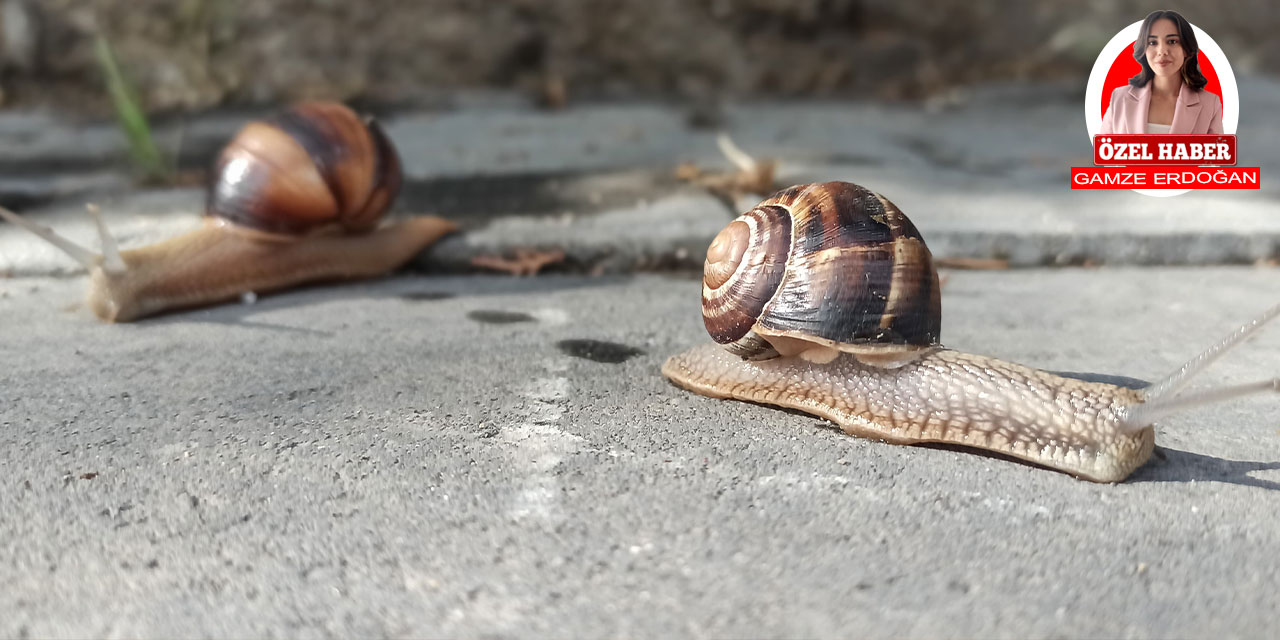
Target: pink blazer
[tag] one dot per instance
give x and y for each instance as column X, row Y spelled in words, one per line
column 1196, row 111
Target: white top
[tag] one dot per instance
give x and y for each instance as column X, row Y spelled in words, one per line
column 1157, row 128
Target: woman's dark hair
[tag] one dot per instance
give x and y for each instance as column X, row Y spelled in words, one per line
column 1186, row 37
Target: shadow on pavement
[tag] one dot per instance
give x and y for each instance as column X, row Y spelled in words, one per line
column 475, row 201
column 409, row 288
column 1175, row 465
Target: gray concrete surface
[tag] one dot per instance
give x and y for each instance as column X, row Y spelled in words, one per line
column 464, row 456
column 425, row 456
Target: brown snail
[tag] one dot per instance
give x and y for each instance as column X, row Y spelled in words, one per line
column 826, row 298
column 294, row 199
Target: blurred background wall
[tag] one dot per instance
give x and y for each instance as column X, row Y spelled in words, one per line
column 195, row 54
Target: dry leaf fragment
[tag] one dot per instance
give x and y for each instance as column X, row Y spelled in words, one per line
column 526, row 262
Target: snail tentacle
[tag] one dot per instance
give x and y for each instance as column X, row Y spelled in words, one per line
column 1176, row 381
column 1144, row 415
column 111, row 260
column 1161, row 399
column 87, row 258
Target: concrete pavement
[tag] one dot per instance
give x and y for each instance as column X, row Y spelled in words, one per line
column 492, row 456
column 479, row 456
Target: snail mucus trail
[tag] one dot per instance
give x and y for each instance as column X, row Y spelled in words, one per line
column 824, row 298
column 294, row 199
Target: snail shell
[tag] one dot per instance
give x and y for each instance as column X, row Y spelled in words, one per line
column 821, row 269
column 313, row 166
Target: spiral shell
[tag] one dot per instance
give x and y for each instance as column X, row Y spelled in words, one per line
column 831, row 265
column 313, row 166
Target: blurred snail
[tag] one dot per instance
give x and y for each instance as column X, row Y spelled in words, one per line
column 825, row 299
column 294, row 199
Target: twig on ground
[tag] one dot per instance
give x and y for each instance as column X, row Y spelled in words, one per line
column 751, row 176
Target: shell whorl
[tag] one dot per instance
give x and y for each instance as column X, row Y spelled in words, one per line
column 313, row 166
column 832, row 264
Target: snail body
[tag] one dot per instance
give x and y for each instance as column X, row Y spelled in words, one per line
column 824, row 299
column 219, row 262
column 942, row 396
column 294, row 199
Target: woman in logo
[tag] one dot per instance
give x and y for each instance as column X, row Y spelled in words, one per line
column 1168, row 95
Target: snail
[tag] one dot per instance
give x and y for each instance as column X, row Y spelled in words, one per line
column 296, row 198
column 824, row 298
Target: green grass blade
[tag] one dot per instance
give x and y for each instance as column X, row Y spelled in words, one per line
column 147, row 159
